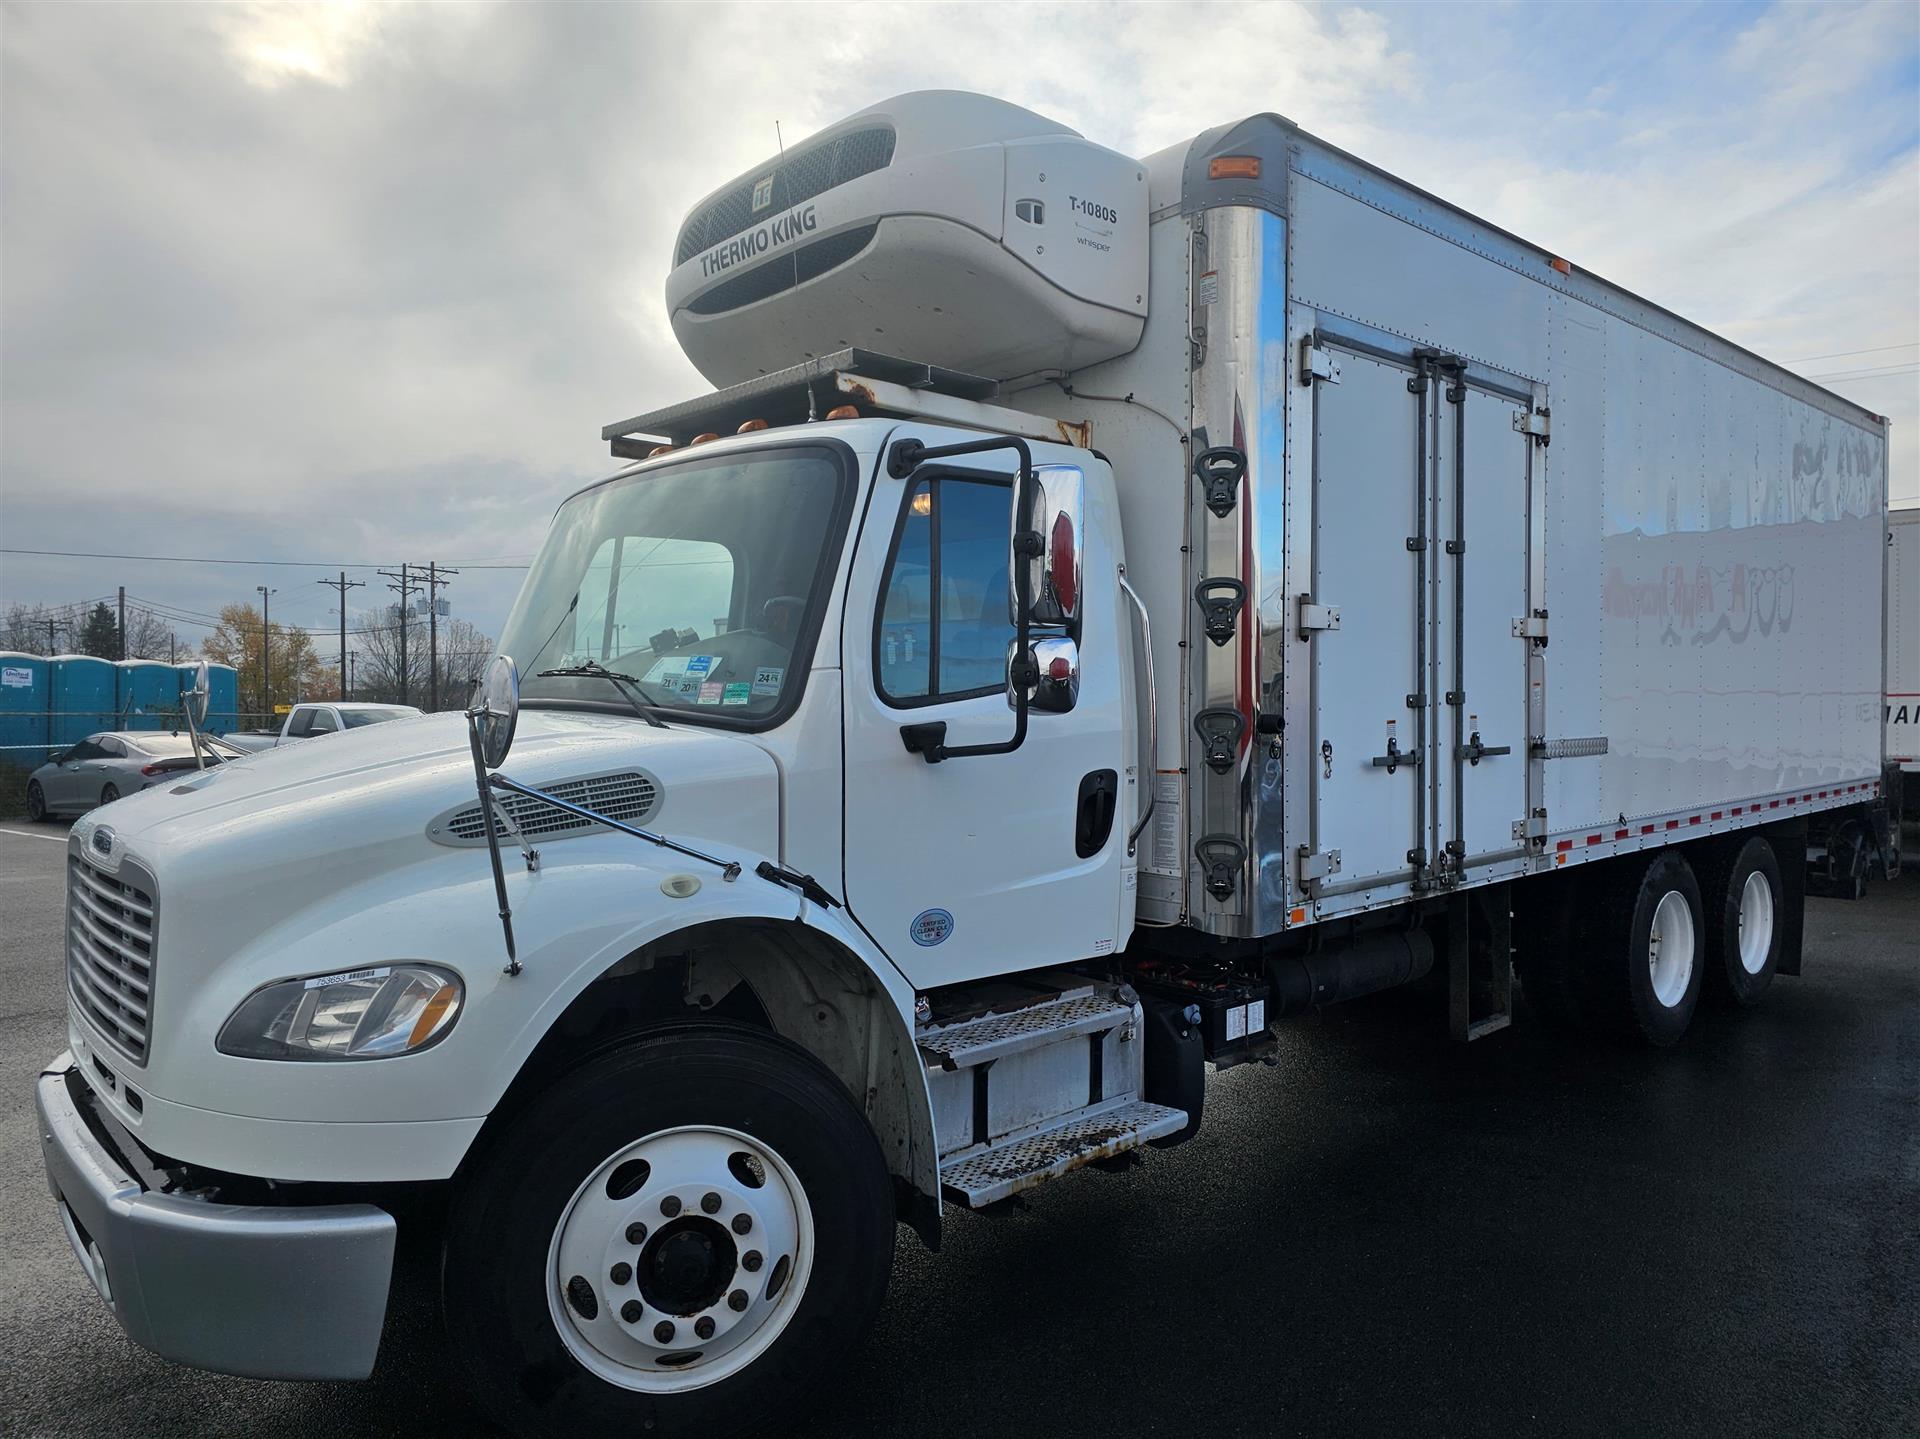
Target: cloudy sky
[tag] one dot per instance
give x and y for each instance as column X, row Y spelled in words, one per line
column 357, row 285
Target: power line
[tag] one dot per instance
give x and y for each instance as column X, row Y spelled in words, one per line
column 1881, row 372
column 1842, row 354
column 210, row 560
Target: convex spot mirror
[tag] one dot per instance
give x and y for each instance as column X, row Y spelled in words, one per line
column 1057, row 663
column 1056, row 501
column 496, row 709
column 193, row 700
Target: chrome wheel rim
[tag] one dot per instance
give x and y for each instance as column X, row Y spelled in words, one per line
column 680, row 1259
column 1670, row 948
column 1756, row 922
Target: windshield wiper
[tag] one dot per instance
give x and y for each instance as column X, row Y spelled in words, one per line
column 628, row 686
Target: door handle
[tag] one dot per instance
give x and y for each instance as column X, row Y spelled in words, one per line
column 1474, row 751
column 1396, row 758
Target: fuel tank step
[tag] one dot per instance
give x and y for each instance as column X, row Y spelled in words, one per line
column 988, row 1037
column 979, row 1176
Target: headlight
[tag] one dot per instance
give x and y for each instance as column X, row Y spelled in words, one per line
column 357, row 1014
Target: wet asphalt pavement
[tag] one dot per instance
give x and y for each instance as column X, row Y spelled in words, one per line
column 1383, row 1234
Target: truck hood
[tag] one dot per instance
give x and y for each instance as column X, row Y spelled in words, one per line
column 300, row 823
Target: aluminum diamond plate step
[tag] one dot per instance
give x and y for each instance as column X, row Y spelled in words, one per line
column 980, row 1176
column 994, row 1036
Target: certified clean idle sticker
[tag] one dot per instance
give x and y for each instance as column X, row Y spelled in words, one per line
column 931, row 927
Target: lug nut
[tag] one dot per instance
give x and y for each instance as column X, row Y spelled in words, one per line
column 621, row 1273
column 737, row 1300
column 670, row 1206
column 631, row 1311
column 636, row 1234
column 663, row 1331
column 751, row 1261
column 710, row 1202
column 703, row 1326
column 742, row 1223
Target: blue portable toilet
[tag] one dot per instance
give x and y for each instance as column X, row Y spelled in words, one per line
column 26, row 695
column 146, row 695
column 223, row 699
column 84, row 698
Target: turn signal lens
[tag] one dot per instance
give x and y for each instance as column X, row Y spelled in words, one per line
column 1234, row 167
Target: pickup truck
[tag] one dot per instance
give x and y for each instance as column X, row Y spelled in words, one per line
column 306, row 721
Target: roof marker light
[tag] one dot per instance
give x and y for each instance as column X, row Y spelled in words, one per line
column 1234, row 167
column 703, row 439
column 659, row 450
column 843, row 412
column 747, row 427
column 1554, row 262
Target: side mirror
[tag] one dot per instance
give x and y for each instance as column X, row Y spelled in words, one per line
column 193, row 701
column 1056, row 684
column 1056, row 500
column 495, row 709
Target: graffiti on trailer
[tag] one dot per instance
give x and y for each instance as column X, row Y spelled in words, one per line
column 1701, row 604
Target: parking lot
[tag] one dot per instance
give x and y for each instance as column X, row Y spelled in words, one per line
column 1383, row 1233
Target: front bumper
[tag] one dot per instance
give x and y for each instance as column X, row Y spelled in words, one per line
column 269, row 1292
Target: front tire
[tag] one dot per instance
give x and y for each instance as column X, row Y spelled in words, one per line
column 687, row 1234
column 1745, row 906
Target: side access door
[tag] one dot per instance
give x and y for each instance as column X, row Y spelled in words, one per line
column 1422, row 665
column 987, row 863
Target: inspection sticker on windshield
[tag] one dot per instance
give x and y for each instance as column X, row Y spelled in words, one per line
column 766, row 679
column 672, row 667
column 711, row 691
column 737, row 694
column 321, row 981
column 701, row 664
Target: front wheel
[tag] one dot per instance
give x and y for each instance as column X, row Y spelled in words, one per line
column 685, row 1235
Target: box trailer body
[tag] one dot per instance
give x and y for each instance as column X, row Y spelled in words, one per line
column 1109, row 606
column 1903, row 650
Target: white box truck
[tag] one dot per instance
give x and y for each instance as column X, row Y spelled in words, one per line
column 1106, row 607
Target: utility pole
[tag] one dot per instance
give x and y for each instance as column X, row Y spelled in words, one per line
column 404, row 583
column 435, row 580
column 52, row 644
column 266, row 652
column 172, row 646
column 343, row 584
column 350, row 663
column 123, row 622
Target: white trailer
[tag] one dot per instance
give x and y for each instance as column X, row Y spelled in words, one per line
column 1903, row 652
column 1108, row 606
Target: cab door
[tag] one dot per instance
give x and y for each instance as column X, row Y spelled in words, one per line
column 990, row 863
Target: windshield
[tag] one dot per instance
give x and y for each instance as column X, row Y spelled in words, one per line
column 702, row 580
column 165, row 746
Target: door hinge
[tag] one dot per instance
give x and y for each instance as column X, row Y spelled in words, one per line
column 1317, row 363
column 1323, row 865
column 1317, row 617
column 1539, row 425
column 1531, row 627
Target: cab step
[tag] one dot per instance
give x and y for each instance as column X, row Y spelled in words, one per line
column 981, row 1175
column 988, row 1037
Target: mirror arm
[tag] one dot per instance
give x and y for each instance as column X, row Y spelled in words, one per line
column 493, row 839
column 903, row 458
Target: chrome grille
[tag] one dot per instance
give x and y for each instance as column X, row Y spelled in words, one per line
column 799, row 176
column 628, row 796
column 110, row 951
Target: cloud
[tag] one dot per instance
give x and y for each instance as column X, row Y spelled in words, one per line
column 360, row 282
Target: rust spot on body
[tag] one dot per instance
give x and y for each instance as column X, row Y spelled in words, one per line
column 1075, row 432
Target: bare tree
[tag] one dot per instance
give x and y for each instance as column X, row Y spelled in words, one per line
column 464, row 650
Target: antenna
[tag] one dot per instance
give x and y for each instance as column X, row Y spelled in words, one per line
column 780, row 173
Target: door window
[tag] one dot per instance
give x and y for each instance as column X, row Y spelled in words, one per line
column 112, row 749
column 321, row 723
column 86, row 749
column 944, row 627
column 301, row 725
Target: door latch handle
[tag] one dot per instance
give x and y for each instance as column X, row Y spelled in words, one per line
column 1395, row 757
column 1219, row 602
column 1220, row 729
column 1474, row 751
